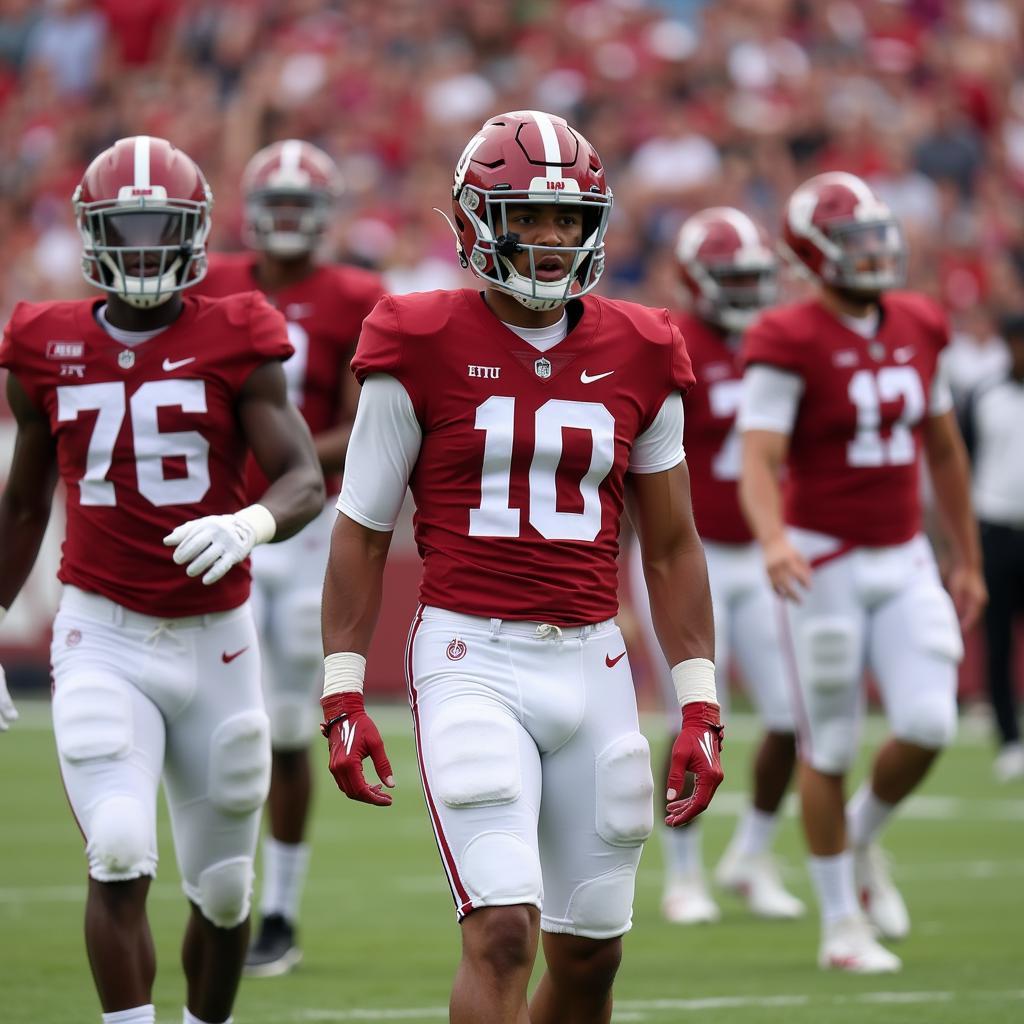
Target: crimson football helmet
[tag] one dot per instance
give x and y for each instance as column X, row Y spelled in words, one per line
column 844, row 234
column 728, row 266
column 524, row 157
column 143, row 211
column 290, row 188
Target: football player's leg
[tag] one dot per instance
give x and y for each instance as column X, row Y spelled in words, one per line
column 217, row 775
column 289, row 575
column 686, row 897
column 480, row 771
column 748, row 866
column 597, row 811
column 914, row 649
column 110, row 741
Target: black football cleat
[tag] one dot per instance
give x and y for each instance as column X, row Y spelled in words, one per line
column 274, row 952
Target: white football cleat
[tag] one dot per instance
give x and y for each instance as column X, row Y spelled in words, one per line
column 757, row 880
column 879, row 897
column 687, row 901
column 848, row 945
column 1009, row 763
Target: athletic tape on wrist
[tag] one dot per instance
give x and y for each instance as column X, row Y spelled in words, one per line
column 344, row 673
column 260, row 518
column 694, row 680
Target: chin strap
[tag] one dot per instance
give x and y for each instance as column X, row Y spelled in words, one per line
column 458, row 241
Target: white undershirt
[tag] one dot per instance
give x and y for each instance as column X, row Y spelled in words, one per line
column 121, row 335
column 386, row 439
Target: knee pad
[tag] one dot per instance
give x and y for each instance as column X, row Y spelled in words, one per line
column 500, row 869
column 624, row 807
column 934, row 626
column 224, row 892
column 830, row 654
column 239, row 771
column 297, row 629
column 122, row 840
column 92, row 719
column 603, row 907
column 474, row 757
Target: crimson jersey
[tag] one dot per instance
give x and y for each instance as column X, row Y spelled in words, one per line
column 712, row 439
column 854, row 452
column 520, row 477
column 324, row 312
column 147, row 437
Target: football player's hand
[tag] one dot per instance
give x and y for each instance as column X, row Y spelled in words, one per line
column 212, row 545
column 8, row 712
column 696, row 749
column 970, row 595
column 787, row 568
column 352, row 737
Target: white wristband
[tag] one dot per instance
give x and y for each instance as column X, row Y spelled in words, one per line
column 694, row 680
column 259, row 517
column 344, row 673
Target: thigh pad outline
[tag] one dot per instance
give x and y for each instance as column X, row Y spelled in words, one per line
column 474, row 756
column 831, row 653
column 934, row 625
column 92, row 718
column 239, row 771
column 624, row 806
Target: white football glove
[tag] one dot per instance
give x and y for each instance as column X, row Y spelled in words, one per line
column 213, row 544
column 8, row 712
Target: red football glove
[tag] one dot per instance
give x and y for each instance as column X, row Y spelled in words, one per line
column 696, row 750
column 351, row 737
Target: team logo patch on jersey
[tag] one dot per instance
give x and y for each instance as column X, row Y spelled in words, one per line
column 74, row 637
column 456, row 650
column 59, row 350
column 126, row 359
column 877, row 351
column 542, row 367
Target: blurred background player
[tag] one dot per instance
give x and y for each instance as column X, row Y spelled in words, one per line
column 146, row 409
column 994, row 431
column 290, row 190
column 844, row 391
column 729, row 270
column 522, row 417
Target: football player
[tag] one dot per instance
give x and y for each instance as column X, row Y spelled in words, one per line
column 290, row 189
column 522, row 417
column 144, row 402
column 729, row 270
column 845, row 391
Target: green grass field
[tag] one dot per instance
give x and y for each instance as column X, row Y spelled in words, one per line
column 381, row 943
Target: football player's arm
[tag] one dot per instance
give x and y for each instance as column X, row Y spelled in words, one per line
column 24, row 509
column 676, row 574
column 951, row 481
column 279, row 439
column 332, row 444
column 385, row 444
column 766, row 417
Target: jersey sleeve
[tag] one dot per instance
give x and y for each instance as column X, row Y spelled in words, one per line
column 770, row 399
column 681, row 370
column 382, row 452
column 382, row 349
column 660, row 446
column 13, row 356
column 768, row 342
column 268, row 330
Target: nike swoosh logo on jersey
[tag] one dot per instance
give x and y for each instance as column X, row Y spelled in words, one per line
column 586, row 378
column 228, row 658
column 612, row 662
column 177, row 364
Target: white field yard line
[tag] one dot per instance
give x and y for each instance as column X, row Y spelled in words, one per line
column 654, row 1009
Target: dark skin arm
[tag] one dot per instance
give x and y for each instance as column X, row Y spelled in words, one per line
column 283, row 448
column 25, row 504
column 332, row 444
column 674, row 565
column 951, row 480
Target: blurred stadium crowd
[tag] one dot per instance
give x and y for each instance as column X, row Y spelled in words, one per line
column 689, row 102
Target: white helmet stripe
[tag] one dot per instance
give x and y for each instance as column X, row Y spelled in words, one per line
column 291, row 155
column 142, row 161
column 552, row 150
column 743, row 225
